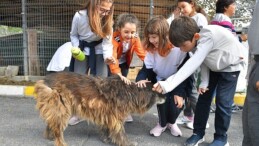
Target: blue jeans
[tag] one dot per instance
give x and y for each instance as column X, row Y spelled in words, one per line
column 225, row 91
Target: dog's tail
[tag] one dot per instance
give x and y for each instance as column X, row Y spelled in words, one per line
column 52, row 105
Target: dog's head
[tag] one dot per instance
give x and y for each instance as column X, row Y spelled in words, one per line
column 153, row 97
column 160, row 98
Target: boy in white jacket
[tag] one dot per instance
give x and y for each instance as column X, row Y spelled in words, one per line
column 220, row 56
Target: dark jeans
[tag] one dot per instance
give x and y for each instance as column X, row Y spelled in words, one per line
column 168, row 112
column 192, row 95
column 226, row 86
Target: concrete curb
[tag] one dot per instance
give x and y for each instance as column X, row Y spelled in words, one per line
column 17, row 91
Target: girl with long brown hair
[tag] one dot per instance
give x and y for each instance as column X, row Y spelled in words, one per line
column 91, row 31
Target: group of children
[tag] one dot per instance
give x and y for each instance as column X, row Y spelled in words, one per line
column 173, row 59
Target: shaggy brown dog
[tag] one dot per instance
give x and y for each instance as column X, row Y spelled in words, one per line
column 104, row 102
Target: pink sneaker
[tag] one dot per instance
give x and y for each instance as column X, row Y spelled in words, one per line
column 74, row 120
column 129, row 119
column 175, row 131
column 158, row 130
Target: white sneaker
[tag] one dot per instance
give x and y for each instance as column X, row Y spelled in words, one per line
column 184, row 119
column 74, row 120
column 129, row 119
column 190, row 125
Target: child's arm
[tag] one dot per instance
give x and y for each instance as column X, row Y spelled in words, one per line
column 73, row 33
column 145, row 75
column 204, row 47
column 139, row 50
column 205, row 73
column 107, row 50
column 115, row 68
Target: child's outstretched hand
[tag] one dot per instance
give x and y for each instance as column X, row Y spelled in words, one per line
column 110, row 60
column 142, row 83
column 124, row 79
column 202, row 90
column 178, row 100
column 157, row 88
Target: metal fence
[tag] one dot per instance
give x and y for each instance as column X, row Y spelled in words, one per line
column 32, row 30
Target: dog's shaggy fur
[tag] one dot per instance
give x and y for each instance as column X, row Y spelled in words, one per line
column 104, row 102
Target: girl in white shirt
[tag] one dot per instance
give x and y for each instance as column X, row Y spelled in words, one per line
column 91, row 31
column 189, row 8
column 161, row 61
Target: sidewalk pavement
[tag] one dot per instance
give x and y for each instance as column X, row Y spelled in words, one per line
column 27, row 91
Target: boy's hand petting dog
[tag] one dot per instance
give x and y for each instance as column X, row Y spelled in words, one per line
column 157, row 88
column 202, row 90
column 124, row 79
column 142, row 83
column 178, row 100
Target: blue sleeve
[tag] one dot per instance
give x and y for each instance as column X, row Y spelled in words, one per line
column 148, row 74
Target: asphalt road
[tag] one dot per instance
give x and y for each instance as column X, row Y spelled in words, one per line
column 21, row 125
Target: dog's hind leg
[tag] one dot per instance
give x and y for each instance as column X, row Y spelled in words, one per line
column 120, row 138
column 105, row 135
column 57, row 127
column 48, row 133
column 57, row 119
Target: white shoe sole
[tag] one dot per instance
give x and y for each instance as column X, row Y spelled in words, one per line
column 74, row 123
column 199, row 142
column 227, row 144
column 156, row 135
column 191, row 126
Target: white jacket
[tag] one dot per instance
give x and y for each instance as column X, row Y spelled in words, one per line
column 61, row 58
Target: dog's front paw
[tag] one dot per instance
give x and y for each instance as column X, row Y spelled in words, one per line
column 105, row 139
column 132, row 143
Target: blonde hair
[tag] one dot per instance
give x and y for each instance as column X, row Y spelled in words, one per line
column 159, row 26
column 102, row 27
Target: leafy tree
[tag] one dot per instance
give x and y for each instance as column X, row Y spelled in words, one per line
column 243, row 9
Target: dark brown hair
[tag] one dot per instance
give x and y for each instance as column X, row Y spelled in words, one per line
column 159, row 26
column 124, row 18
column 182, row 29
column 197, row 9
column 222, row 4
